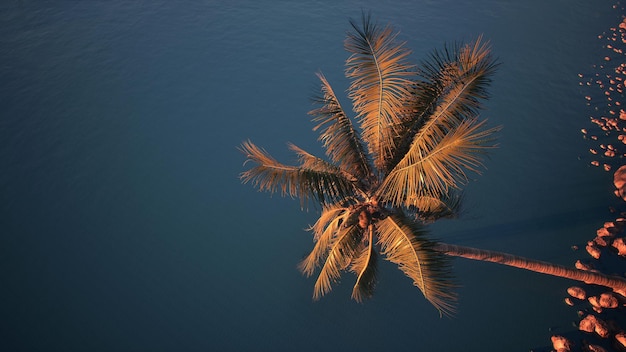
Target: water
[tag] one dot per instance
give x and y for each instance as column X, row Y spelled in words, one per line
column 124, row 225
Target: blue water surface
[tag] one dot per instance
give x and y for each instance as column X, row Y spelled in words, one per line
column 124, row 226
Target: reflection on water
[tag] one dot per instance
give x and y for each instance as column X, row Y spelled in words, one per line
column 124, row 225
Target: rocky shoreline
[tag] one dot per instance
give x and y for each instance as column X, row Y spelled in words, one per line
column 600, row 319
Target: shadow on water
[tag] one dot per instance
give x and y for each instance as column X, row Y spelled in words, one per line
column 525, row 228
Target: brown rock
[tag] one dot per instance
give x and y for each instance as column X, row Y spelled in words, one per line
column 588, row 324
column 594, row 301
column 619, row 244
column 561, row 344
column 603, row 231
column 619, row 180
column 608, row 300
column 614, row 227
column 583, row 266
column 595, row 348
column 577, row 292
column 569, row 301
column 593, row 250
column 592, row 324
column 601, row 241
column 621, row 338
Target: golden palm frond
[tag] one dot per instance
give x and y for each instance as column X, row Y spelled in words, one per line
column 430, row 171
column 404, row 243
column 330, row 213
column 340, row 254
column 341, row 141
column 364, row 265
column 424, row 97
column 428, row 208
column 324, row 229
column 321, row 181
column 380, row 85
column 456, row 82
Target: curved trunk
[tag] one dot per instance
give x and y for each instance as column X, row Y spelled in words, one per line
column 615, row 282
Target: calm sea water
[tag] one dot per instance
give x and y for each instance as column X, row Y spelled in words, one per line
column 123, row 225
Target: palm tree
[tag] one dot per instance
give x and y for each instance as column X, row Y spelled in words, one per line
column 418, row 135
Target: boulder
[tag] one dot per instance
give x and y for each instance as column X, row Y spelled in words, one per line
column 577, row 292
column 603, row 231
column 595, row 304
column 593, row 250
column 619, row 244
column 608, row 300
column 561, row 344
column 619, row 180
column 592, row 324
column 620, row 337
column 602, row 241
column 613, row 227
column 595, row 348
column 583, row 266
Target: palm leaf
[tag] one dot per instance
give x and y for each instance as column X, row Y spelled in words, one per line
column 455, row 85
column 341, row 141
column 340, row 254
column 404, row 242
column 432, row 171
column 424, row 97
column 380, row 85
column 428, row 208
column 365, row 267
column 324, row 230
column 323, row 182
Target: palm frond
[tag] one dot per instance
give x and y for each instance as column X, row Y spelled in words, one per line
column 403, row 242
column 341, row 253
column 423, row 99
column 364, row 265
column 324, row 229
column 317, row 180
column 431, row 171
column 456, row 83
column 341, row 141
column 428, row 208
column 380, row 86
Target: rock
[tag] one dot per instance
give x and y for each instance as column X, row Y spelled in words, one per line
column 592, row 324
column 608, row 300
column 569, row 301
column 614, row 227
column 621, row 338
column 593, row 250
column 603, row 231
column 561, row 344
column 595, row 348
column 583, row 266
column 595, row 304
column 577, row 292
column 601, row 241
column 587, row 324
column 619, row 244
column 594, row 301
column 619, row 180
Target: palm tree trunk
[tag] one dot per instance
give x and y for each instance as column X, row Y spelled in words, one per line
column 616, row 283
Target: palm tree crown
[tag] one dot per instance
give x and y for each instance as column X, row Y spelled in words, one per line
column 400, row 163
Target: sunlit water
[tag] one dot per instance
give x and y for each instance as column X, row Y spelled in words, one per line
column 123, row 225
